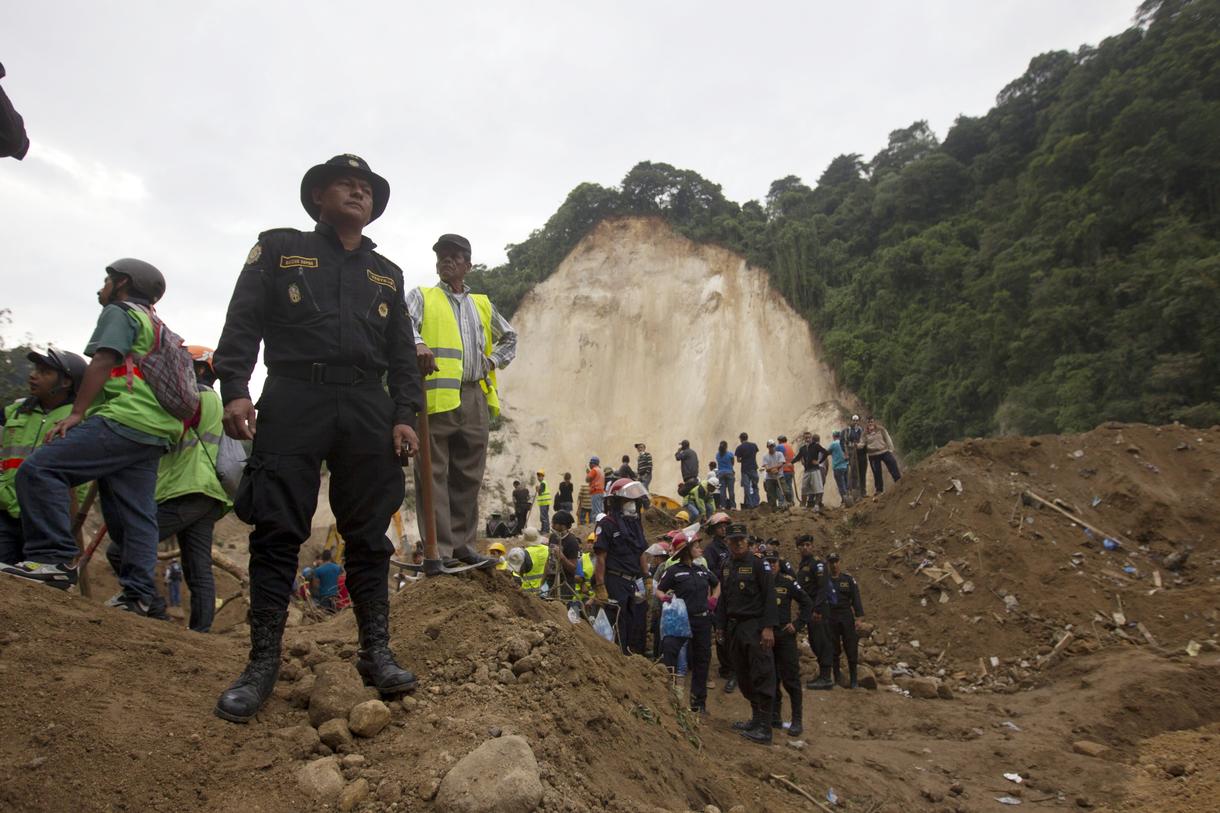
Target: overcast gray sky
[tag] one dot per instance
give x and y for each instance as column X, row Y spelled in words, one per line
column 176, row 132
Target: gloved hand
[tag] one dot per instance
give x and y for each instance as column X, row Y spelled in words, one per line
column 600, row 594
column 711, row 603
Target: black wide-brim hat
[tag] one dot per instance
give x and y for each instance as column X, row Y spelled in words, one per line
column 322, row 174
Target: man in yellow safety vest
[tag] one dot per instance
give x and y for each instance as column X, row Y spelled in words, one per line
column 461, row 340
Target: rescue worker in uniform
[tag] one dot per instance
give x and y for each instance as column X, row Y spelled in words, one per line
column 328, row 310
column 839, row 602
column 618, row 572
column 746, row 615
column 529, row 565
column 24, row 425
column 461, row 340
column 694, row 584
column 787, row 629
column 809, row 574
column 544, row 503
column 715, row 552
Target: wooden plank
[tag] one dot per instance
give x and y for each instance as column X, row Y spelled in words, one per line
column 1147, row 635
column 953, row 574
column 1051, row 505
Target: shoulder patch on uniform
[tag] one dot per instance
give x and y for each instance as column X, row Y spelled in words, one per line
column 294, row 261
column 383, row 310
column 381, row 280
column 254, row 254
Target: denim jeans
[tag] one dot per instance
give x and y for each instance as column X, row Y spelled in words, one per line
column 749, row 488
column 192, row 518
column 175, row 593
column 788, row 483
column 544, row 518
column 841, row 482
column 727, row 498
column 598, row 502
column 126, row 474
column 775, row 494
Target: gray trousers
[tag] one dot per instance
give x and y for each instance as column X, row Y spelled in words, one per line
column 459, row 455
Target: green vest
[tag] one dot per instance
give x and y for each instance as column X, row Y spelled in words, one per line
column 190, row 466
column 22, row 433
column 531, row 582
column 584, row 577
column 544, row 493
column 126, row 399
column 440, row 331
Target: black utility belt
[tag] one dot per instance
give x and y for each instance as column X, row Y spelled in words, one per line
column 620, row 574
column 315, row 373
column 703, row 614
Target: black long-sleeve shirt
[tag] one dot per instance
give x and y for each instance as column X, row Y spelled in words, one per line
column 307, row 299
column 839, row 596
column 691, row 583
column 787, row 590
column 747, row 591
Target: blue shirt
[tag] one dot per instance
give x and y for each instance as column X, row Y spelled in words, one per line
column 327, row 575
column 837, row 458
column 724, row 462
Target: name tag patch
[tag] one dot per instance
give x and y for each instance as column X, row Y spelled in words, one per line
column 380, row 280
column 293, row 261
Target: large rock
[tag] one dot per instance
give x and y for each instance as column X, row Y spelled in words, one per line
column 922, row 687
column 336, row 692
column 353, row 795
column 867, row 678
column 335, row 733
column 1089, row 748
column 321, row 779
column 301, row 739
column 368, row 718
column 500, row 776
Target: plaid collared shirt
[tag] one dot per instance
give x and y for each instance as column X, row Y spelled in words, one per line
column 474, row 363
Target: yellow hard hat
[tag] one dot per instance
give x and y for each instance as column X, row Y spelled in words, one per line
column 496, row 547
column 682, row 516
column 541, row 473
column 591, row 537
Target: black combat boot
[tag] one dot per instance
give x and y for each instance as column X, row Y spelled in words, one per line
column 777, row 711
column 838, row 673
column 823, row 680
column 241, row 701
column 855, row 684
column 746, row 725
column 795, row 728
column 375, row 662
column 760, row 732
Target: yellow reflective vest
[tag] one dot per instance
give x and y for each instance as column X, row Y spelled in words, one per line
column 544, row 493
column 440, row 331
column 532, row 581
column 584, row 577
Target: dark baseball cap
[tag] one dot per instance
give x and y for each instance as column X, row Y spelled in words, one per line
column 737, row 531
column 833, row 557
column 453, row 240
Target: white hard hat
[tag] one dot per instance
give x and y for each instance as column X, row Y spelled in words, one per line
column 855, row 417
column 599, row 517
column 515, row 559
column 531, row 534
column 713, row 481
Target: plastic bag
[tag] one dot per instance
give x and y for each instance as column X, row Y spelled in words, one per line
column 675, row 621
column 601, row 625
column 230, row 463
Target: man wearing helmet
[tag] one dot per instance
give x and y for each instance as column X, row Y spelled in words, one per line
column 115, row 433
column 53, row 379
column 329, row 314
column 716, row 553
column 621, row 564
column 190, row 498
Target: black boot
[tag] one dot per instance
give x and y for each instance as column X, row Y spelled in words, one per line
column 777, row 710
column 795, row 729
column 760, row 732
column 730, row 685
column 838, row 675
column 241, row 701
column 823, row 680
column 375, row 662
column 855, row 684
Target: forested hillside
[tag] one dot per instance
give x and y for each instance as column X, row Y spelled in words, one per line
column 1045, row 267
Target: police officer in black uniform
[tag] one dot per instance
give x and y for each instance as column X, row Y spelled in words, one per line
column 693, row 583
column 839, row 602
column 715, row 552
column 746, row 616
column 809, row 574
column 787, row 628
column 621, row 562
column 329, row 312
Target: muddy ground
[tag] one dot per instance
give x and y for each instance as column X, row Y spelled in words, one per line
column 1093, row 710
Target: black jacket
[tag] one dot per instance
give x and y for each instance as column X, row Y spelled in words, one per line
column 747, row 591
column 310, row 301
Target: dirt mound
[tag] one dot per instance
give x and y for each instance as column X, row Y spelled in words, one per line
column 104, row 711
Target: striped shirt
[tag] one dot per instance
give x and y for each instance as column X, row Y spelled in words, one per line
column 474, row 363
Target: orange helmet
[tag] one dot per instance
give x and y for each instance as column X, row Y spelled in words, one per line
column 201, row 355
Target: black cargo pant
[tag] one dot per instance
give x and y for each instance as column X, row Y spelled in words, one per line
column 630, row 617
column 699, row 655
column 787, row 674
column 820, row 643
column 300, row 426
column 724, row 659
column 843, row 634
column 753, row 665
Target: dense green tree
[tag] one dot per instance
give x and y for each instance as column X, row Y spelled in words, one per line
column 1050, row 265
